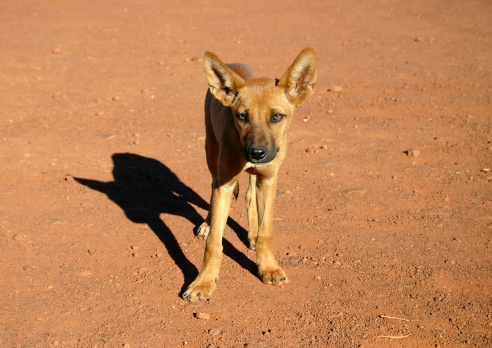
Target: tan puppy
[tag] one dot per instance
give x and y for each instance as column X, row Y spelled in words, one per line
column 246, row 120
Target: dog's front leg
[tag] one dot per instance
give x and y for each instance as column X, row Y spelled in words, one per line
column 206, row 281
column 268, row 268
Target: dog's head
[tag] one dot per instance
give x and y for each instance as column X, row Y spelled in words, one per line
column 262, row 107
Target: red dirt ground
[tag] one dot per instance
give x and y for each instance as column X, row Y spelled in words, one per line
column 104, row 175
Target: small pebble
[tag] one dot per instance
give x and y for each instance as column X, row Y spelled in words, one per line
column 91, row 251
column 214, row 332
column 486, row 170
column 27, row 268
column 317, row 278
column 413, row 152
column 56, row 51
column 197, row 59
column 336, row 89
column 204, row 316
column 18, row 236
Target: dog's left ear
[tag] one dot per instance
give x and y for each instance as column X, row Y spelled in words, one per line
column 224, row 83
column 300, row 78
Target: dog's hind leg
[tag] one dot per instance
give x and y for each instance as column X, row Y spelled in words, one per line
column 204, row 229
column 252, row 212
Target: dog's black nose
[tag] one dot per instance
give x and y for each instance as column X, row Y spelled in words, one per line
column 257, row 153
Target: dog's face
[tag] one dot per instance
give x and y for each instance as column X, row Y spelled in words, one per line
column 262, row 107
column 262, row 115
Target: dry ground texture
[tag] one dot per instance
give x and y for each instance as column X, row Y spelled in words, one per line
column 383, row 216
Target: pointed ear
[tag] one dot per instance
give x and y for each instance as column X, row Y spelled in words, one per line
column 300, row 78
column 223, row 82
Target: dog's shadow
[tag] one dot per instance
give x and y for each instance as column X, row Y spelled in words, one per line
column 145, row 188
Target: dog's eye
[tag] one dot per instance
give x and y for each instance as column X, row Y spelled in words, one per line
column 277, row 117
column 243, row 117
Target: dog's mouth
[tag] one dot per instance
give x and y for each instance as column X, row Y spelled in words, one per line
column 259, row 155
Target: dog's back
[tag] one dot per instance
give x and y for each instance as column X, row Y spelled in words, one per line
column 243, row 70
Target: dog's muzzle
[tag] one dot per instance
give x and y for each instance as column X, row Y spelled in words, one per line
column 259, row 154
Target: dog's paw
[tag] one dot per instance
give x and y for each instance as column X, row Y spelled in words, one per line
column 200, row 290
column 273, row 276
column 203, row 230
column 252, row 244
column 252, row 237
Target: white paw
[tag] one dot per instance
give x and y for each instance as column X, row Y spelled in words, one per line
column 203, row 230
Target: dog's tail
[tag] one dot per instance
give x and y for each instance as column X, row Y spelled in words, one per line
column 236, row 190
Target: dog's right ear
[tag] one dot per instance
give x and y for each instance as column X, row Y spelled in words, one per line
column 223, row 82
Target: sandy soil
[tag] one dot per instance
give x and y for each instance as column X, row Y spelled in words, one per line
column 383, row 216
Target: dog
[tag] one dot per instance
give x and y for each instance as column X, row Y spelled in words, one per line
column 246, row 121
